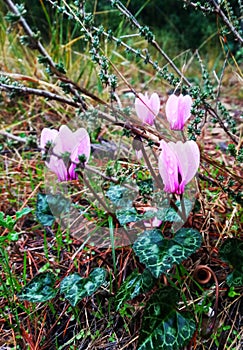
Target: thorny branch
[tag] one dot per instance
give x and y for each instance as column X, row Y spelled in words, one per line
column 216, row 9
column 125, row 11
column 31, row 91
column 219, row 11
column 74, row 88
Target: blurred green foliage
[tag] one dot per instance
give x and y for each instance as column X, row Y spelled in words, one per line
column 189, row 28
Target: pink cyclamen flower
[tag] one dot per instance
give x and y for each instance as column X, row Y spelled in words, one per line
column 147, row 108
column 65, row 141
column 177, row 110
column 178, row 164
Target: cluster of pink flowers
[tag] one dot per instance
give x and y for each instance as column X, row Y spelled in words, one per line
column 178, row 162
column 65, row 142
column 177, row 109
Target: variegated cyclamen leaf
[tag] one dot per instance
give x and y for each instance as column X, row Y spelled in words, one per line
column 167, row 213
column 74, row 287
column 163, row 327
column 173, row 333
column 134, row 285
column 40, row 288
column 159, row 254
column 49, row 207
column 127, row 215
column 120, row 196
column 43, row 211
column 231, row 251
column 58, row 204
column 235, row 278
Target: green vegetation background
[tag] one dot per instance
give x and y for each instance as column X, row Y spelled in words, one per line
column 188, row 27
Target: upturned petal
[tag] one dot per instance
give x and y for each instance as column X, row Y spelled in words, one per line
column 147, row 108
column 54, row 163
column 188, row 156
column 65, row 140
column 184, row 107
column 177, row 110
column 82, row 147
column 47, row 135
column 57, row 166
column 155, row 103
column 178, row 164
column 168, row 168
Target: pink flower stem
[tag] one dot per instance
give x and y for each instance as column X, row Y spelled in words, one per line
column 183, row 207
column 177, row 210
column 100, row 200
column 183, row 135
column 147, row 161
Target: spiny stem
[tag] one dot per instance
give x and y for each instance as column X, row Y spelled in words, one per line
column 149, row 165
column 38, row 92
column 154, row 43
column 226, row 21
column 217, row 9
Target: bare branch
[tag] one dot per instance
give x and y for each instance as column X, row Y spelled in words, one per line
column 125, row 11
column 30, row 91
column 74, row 88
column 216, row 9
column 226, row 21
column 30, row 33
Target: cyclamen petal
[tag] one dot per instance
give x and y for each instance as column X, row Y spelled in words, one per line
column 189, row 160
column 177, row 110
column 147, row 108
column 82, row 148
column 47, row 135
column 65, row 141
column 178, row 164
column 155, row 103
column 168, row 168
column 58, row 167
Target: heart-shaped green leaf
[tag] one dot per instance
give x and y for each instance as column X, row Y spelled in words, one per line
column 74, row 287
column 167, row 213
column 43, row 212
column 159, row 253
column 40, row 288
column 163, row 327
column 127, row 215
column 49, row 206
column 120, row 196
column 134, row 285
column 231, row 251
